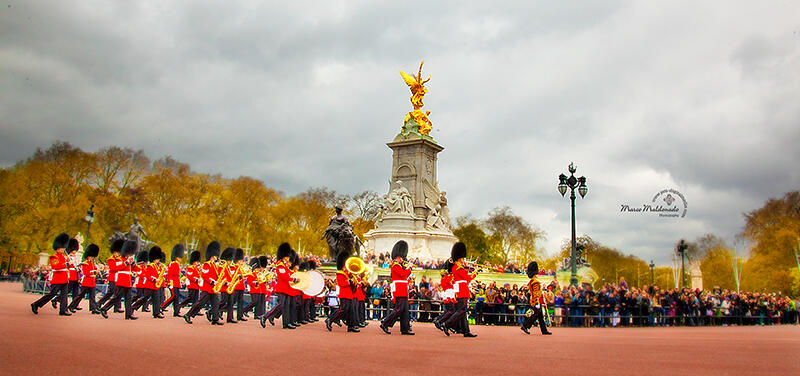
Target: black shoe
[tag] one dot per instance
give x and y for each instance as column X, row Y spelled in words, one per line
column 241, row 319
column 407, row 333
column 177, row 315
column 363, row 325
column 72, row 310
column 547, row 334
column 247, row 315
column 328, row 325
column 158, row 316
column 470, row 335
column 288, row 327
column 104, row 314
column 385, row 329
column 77, row 309
column 353, row 329
column 231, row 321
column 445, row 330
column 131, row 317
column 187, row 319
column 338, row 323
column 95, row 312
column 208, row 316
column 437, row 325
column 64, row 314
column 271, row 321
column 217, row 322
column 145, row 310
column 263, row 321
column 524, row 329
column 119, row 311
column 54, row 303
column 34, row 309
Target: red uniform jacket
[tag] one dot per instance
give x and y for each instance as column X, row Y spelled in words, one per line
column 400, row 280
column 140, row 273
column 193, row 275
column 462, row 278
column 284, row 276
column 125, row 274
column 150, row 276
column 174, row 274
column 447, row 289
column 58, row 267
column 209, row 274
column 255, row 287
column 240, row 285
column 359, row 293
column 87, row 274
column 73, row 271
column 343, row 281
column 114, row 264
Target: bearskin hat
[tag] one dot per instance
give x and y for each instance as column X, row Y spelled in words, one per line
column 447, row 267
column 400, row 249
column 228, row 254
column 263, row 261
column 155, row 253
column 91, row 251
column 213, row 250
column 312, row 265
column 340, row 259
column 284, row 250
column 162, row 257
column 254, row 263
column 129, row 248
column 141, row 257
column 177, row 252
column 116, row 246
column 458, row 252
column 294, row 258
column 239, row 255
column 60, row 241
column 533, row 269
column 194, row 257
column 304, row 266
column 73, row 245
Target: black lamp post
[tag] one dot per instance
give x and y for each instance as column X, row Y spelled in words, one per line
column 681, row 248
column 89, row 219
column 572, row 182
column 652, row 273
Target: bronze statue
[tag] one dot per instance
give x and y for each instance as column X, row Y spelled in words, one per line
column 418, row 91
column 340, row 235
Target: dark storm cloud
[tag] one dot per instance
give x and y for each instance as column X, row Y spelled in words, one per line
column 697, row 97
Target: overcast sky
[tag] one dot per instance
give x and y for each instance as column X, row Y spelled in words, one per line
column 700, row 97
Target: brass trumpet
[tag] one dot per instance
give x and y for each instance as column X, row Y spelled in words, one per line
column 476, row 268
column 244, row 270
column 219, row 284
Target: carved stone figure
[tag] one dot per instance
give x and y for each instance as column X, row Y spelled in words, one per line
column 399, row 200
column 339, row 235
column 135, row 233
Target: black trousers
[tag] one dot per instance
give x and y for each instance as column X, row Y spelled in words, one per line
column 193, row 296
column 532, row 319
column 238, row 298
column 158, row 300
column 312, row 308
column 399, row 312
column 446, row 312
column 151, row 296
column 257, row 305
column 283, row 308
column 344, row 313
column 227, row 304
column 77, row 300
column 143, row 297
column 206, row 298
column 458, row 320
column 110, row 288
column 175, row 300
column 362, row 311
column 73, row 287
column 120, row 293
column 57, row 291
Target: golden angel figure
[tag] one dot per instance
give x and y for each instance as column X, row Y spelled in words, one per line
column 418, row 91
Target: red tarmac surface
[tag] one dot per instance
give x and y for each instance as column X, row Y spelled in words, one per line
column 86, row 344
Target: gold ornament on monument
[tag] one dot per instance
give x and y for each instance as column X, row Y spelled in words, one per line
column 418, row 91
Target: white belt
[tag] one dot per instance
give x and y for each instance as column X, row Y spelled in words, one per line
column 59, row 270
column 123, row 272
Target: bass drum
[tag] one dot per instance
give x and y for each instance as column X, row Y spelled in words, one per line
column 317, row 284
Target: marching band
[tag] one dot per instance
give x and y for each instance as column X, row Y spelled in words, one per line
column 219, row 285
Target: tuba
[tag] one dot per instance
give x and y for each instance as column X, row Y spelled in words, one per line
column 355, row 265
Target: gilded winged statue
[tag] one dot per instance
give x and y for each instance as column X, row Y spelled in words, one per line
column 418, row 91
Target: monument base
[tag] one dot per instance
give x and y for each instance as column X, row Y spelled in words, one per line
column 424, row 245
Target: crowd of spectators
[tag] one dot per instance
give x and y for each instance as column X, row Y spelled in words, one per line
column 383, row 260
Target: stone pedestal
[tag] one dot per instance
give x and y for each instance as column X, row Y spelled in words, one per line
column 414, row 210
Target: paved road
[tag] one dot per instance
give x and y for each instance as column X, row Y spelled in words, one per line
column 86, row 344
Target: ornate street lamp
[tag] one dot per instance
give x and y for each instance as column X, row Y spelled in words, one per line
column 89, row 219
column 572, row 182
column 681, row 248
column 652, row 273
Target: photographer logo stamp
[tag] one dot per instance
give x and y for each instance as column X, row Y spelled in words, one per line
column 667, row 203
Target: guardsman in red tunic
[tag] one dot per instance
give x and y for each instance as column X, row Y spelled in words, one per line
column 193, row 279
column 400, row 273
column 448, row 294
column 311, row 310
column 139, row 270
column 257, row 287
column 72, row 266
column 209, row 273
column 344, row 284
column 227, row 275
column 238, row 289
column 461, row 277
column 88, row 284
column 283, row 275
column 294, row 294
column 58, row 277
column 122, row 290
column 537, row 300
column 360, row 301
column 150, row 274
column 174, row 280
column 114, row 263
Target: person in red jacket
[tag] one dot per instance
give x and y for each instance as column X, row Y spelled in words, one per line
column 193, row 279
column 173, row 280
column 139, row 276
column 58, row 277
column 150, row 274
column 122, row 289
column 283, row 274
column 448, row 294
column 537, row 300
column 228, row 256
column 294, row 294
column 88, row 274
column 400, row 273
column 461, row 277
column 344, row 284
column 238, row 289
column 72, row 267
column 311, row 309
column 257, row 287
column 210, row 275
column 113, row 264
column 360, row 298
